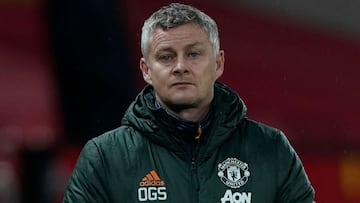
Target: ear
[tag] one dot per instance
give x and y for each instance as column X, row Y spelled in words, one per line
column 146, row 72
column 220, row 60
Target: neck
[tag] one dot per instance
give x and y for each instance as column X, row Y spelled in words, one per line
column 194, row 114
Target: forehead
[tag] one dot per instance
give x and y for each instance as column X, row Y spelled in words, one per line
column 180, row 36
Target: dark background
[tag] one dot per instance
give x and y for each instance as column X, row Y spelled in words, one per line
column 69, row 69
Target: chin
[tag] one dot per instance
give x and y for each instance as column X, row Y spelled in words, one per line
column 182, row 102
column 185, row 99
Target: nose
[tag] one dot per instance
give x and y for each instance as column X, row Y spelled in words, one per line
column 181, row 66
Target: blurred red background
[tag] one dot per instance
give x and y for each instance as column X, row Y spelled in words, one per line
column 300, row 78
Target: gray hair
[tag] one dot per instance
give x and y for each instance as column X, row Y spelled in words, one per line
column 174, row 15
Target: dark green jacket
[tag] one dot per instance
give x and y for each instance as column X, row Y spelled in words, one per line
column 237, row 161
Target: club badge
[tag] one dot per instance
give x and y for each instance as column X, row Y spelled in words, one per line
column 233, row 172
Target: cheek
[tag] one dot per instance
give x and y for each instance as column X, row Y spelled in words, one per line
column 209, row 74
column 159, row 76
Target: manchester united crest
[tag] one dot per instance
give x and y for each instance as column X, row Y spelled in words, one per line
column 233, row 172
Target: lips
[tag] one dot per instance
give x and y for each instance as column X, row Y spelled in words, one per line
column 182, row 83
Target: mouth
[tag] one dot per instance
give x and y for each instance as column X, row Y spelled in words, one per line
column 181, row 84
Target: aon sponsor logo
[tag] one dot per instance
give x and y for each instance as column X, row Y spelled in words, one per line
column 236, row 197
column 152, row 193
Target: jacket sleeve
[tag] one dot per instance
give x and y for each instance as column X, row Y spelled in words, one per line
column 294, row 185
column 86, row 183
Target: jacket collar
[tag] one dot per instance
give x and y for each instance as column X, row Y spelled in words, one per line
column 156, row 124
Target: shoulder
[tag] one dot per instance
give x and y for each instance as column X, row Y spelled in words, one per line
column 262, row 138
column 114, row 154
column 276, row 150
column 272, row 141
column 120, row 143
column 260, row 131
column 123, row 137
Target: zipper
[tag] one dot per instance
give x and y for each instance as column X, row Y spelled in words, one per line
column 194, row 172
column 199, row 132
column 195, row 180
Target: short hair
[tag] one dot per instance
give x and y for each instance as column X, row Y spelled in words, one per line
column 174, row 15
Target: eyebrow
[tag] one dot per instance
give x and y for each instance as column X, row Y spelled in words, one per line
column 194, row 44
column 165, row 49
column 187, row 46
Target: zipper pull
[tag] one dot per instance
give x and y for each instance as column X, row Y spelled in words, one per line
column 199, row 131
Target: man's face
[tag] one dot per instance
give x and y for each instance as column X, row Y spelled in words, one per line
column 182, row 66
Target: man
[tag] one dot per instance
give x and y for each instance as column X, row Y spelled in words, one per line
column 186, row 137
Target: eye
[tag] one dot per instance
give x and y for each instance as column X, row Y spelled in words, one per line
column 193, row 54
column 165, row 58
